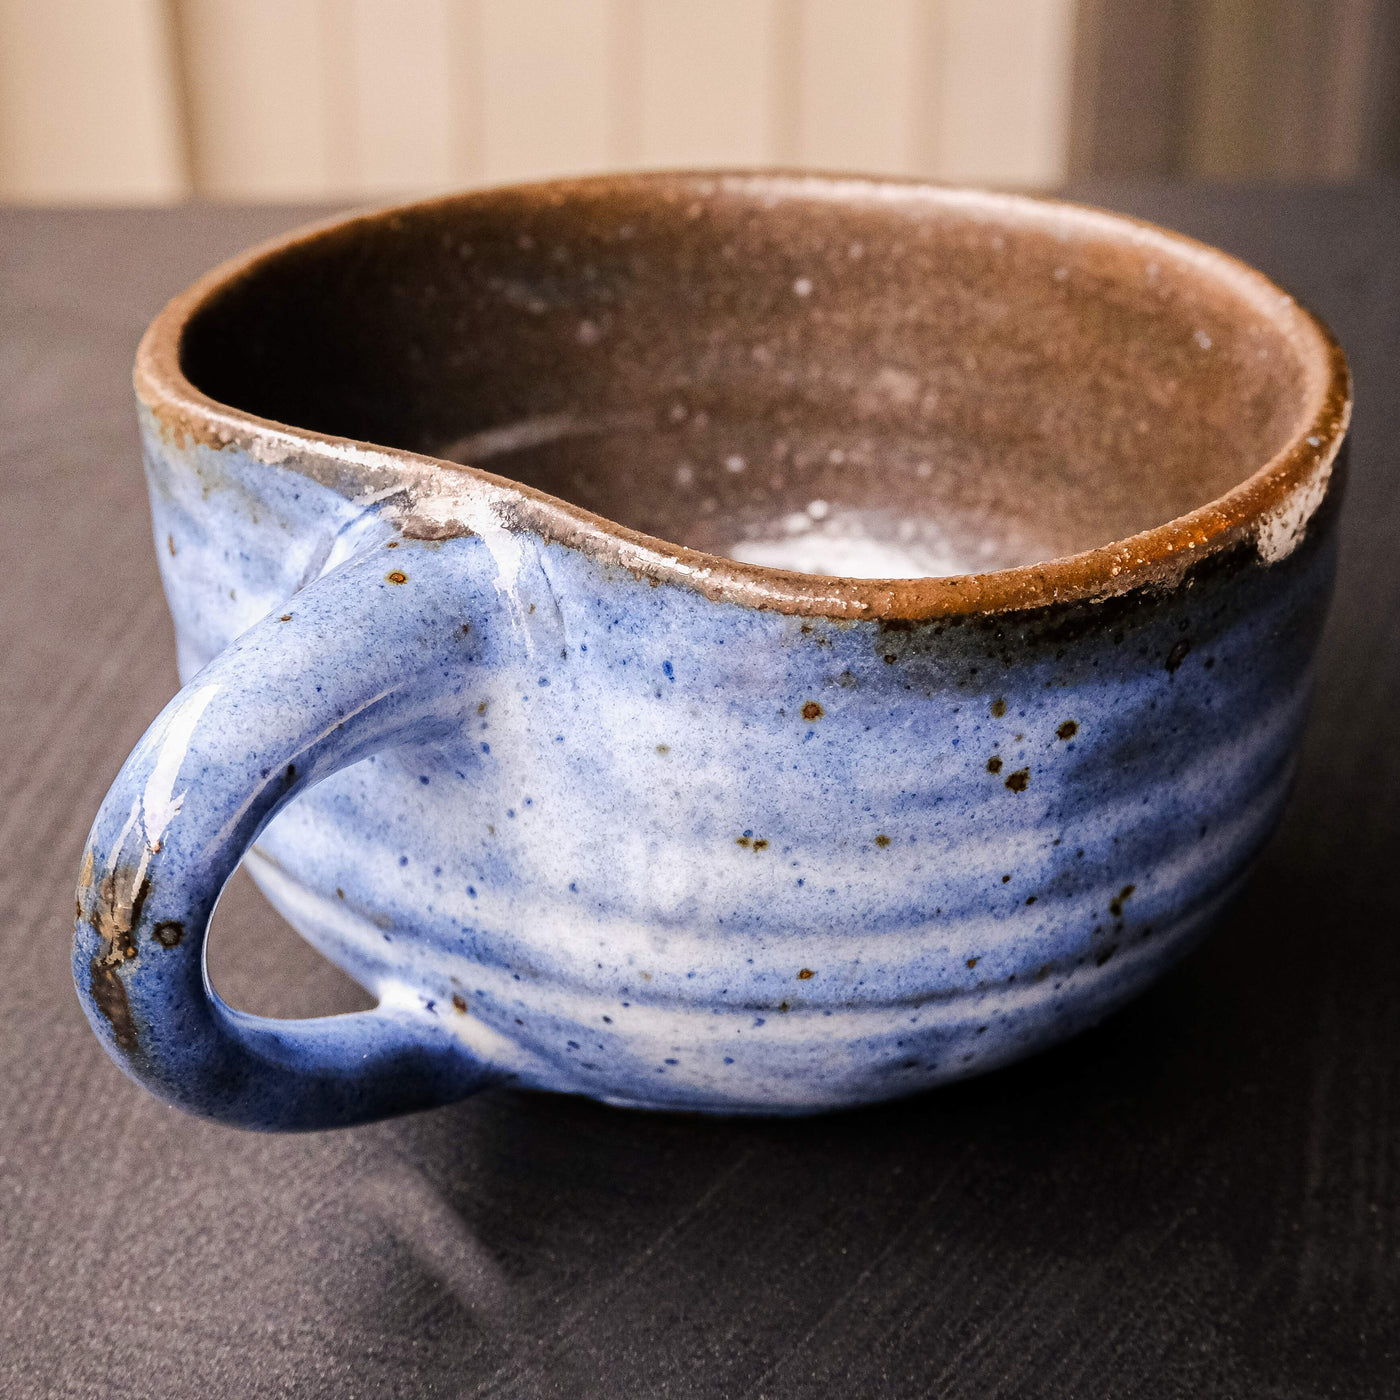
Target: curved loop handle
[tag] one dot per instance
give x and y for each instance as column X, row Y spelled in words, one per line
column 370, row 656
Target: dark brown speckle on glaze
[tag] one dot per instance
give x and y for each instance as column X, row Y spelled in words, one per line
column 168, row 933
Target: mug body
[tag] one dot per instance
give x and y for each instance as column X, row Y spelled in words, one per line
column 689, row 854
column 747, row 644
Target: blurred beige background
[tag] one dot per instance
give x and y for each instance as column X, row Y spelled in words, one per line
column 136, row 100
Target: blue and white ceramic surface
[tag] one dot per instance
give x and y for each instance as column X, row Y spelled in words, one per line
column 1003, row 533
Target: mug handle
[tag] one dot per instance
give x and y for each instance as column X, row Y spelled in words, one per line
column 375, row 654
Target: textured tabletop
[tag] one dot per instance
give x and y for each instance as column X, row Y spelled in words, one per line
column 1199, row 1198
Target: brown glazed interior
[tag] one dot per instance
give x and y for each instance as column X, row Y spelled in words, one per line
column 718, row 361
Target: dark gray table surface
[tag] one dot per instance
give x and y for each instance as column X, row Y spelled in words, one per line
column 1199, row 1198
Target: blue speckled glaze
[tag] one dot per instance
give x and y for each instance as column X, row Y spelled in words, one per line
column 589, row 833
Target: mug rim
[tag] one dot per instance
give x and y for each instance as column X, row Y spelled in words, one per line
column 436, row 498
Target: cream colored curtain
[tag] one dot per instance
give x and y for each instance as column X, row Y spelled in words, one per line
column 122, row 100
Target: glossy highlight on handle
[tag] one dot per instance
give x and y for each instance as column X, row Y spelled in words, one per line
column 373, row 655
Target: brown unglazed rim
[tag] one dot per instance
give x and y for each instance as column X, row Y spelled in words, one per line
column 433, row 498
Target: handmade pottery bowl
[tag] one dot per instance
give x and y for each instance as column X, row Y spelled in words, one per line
column 720, row 824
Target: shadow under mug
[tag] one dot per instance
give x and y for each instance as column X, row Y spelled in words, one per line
column 732, row 642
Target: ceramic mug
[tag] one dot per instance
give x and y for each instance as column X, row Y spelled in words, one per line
column 740, row 643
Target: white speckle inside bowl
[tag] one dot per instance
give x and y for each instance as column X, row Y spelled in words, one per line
column 862, row 544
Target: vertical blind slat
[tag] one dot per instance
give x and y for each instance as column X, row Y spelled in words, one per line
column 707, row 82
column 88, row 105
column 859, row 84
column 258, row 95
column 1003, row 90
column 545, row 87
column 402, row 71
